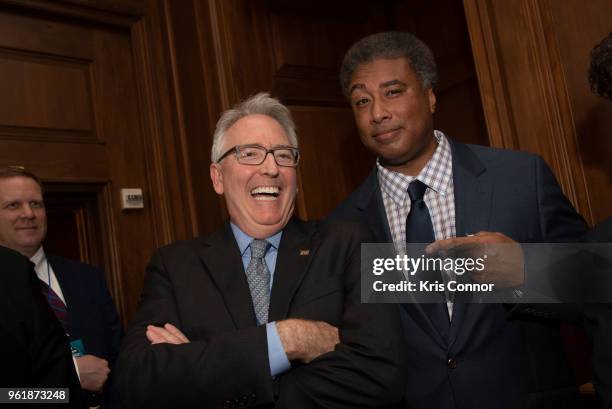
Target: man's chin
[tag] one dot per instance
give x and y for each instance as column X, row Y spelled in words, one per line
column 395, row 160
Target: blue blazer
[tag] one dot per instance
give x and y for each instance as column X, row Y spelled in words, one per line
column 492, row 358
column 92, row 316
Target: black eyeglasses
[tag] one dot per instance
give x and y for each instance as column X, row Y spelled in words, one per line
column 257, row 154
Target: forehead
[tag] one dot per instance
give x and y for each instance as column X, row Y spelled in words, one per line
column 19, row 186
column 378, row 72
column 256, row 129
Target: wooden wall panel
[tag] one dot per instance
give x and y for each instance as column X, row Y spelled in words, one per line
column 56, row 160
column 87, row 118
column 591, row 115
column 325, row 155
column 61, row 87
column 534, row 87
column 308, row 50
column 197, row 95
column 442, row 25
column 294, row 51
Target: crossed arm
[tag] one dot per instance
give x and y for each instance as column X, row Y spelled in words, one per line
column 303, row 340
column 162, row 364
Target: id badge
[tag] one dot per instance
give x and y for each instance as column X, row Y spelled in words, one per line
column 77, row 348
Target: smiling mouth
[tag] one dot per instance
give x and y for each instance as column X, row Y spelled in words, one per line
column 389, row 133
column 265, row 192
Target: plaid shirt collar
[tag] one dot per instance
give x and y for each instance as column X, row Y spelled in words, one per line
column 436, row 174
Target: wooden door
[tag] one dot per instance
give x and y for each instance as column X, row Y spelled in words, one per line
column 71, row 111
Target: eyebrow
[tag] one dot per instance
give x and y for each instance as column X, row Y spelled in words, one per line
column 390, row 83
column 382, row 85
column 356, row 86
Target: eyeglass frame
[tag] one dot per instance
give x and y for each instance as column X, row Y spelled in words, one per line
column 236, row 151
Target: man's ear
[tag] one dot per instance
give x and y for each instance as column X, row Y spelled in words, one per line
column 216, row 175
column 432, row 100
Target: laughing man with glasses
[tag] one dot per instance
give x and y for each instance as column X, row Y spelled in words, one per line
column 265, row 312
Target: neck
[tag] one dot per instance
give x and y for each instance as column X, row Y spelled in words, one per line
column 261, row 232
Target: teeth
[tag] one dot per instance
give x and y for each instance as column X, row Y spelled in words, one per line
column 269, row 190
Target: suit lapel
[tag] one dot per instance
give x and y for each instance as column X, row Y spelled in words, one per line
column 297, row 248
column 221, row 258
column 371, row 203
column 473, row 193
column 58, row 266
column 472, row 189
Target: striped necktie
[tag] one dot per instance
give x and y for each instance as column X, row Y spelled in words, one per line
column 57, row 305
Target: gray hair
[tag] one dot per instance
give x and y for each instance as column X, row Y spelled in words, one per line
column 261, row 104
column 390, row 45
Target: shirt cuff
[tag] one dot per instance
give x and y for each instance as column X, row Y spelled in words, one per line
column 76, row 367
column 277, row 357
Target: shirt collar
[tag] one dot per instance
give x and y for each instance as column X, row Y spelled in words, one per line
column 244, row 240
column 436, row 173
column 38, row 258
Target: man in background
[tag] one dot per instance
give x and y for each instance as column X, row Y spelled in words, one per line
column 429, row 188
column 598, row 317
column 76, row 292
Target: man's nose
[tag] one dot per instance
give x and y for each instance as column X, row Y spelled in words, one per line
column 27, row 211
column 380, row 113
column 269, row 166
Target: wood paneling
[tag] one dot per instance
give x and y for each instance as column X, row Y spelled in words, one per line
column 62, row 91
column 294, row 50
column 532, row 64
column 56, row 160
column 86, row 116
column 324, row 154
column 442, row 26
column 308, row 49
column 591, row 115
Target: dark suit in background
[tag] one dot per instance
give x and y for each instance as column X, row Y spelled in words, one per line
column 200, row 286
column 92, row 316
column 35, row 351
column 598, row 325
column 491, row 359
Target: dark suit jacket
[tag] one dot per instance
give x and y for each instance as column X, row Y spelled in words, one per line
column 598, row 325
column 491, row 359
column 201, row 287
column 35, row 350
column 92, row 316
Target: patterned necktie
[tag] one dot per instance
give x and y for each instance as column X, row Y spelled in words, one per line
column 420, row 230
column 258, row 277
column 57, row 305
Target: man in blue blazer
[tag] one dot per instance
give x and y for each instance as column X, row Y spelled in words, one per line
column 428, row 188
column 76, row 292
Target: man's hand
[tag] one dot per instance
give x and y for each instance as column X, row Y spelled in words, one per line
column 168, row 334
column 504, row 265
column 305, row 340
column 93, row 372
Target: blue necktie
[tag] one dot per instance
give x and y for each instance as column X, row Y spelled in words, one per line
column 420, row 230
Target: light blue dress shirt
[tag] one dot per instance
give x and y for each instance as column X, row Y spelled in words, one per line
column 277, row 357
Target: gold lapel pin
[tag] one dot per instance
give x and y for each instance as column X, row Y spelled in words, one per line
column 304, row 252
